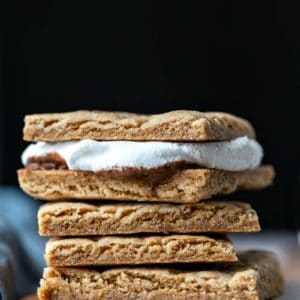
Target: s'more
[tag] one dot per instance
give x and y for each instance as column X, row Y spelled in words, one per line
column 179, row 156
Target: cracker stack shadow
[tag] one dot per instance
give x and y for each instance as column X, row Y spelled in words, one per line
column 160, row 238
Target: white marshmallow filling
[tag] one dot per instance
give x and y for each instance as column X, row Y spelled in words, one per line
column 89, row 155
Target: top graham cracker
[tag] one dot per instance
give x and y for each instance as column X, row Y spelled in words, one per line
column 180, row 125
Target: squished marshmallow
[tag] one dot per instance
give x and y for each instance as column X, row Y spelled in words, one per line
column 89, row 155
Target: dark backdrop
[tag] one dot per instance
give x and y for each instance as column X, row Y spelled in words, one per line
column 154, row 56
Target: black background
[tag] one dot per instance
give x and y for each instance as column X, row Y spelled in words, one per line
column 155, row 56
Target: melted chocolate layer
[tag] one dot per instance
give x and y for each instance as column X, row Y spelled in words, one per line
column 54, row 161
column 51, row 161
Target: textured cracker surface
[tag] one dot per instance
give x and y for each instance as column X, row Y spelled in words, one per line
column 256, row 276
column 184, row 186
column 80, row 219
column 183, row 125
column 115, row 250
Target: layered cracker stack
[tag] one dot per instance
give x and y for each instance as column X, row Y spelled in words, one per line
column 162, row 238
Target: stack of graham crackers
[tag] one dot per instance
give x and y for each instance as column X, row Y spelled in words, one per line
column 160, row 239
